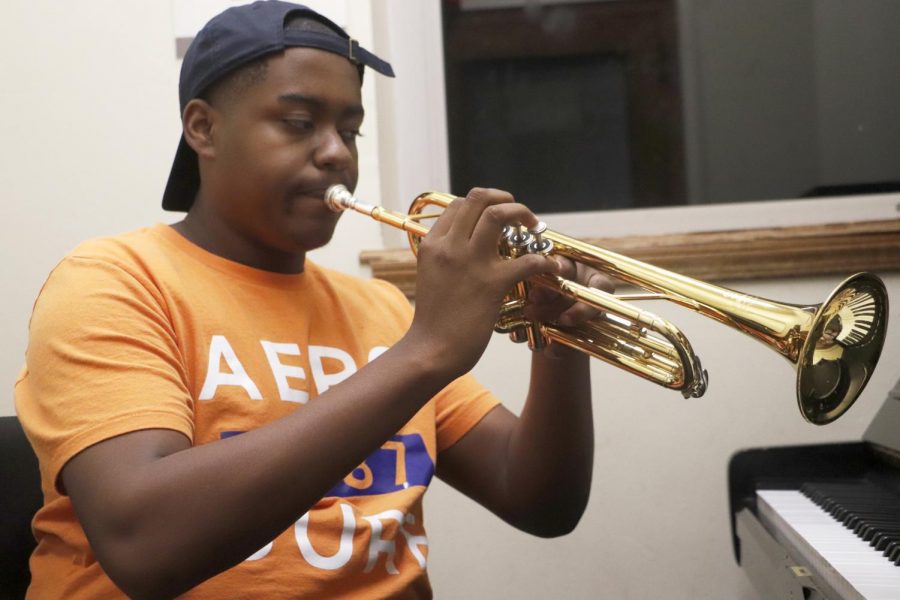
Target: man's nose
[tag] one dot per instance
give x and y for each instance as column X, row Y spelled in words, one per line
column 332, row 151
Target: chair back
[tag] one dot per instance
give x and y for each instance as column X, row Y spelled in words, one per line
column 20, row 498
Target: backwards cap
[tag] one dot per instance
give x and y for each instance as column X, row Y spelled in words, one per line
column 231, row 40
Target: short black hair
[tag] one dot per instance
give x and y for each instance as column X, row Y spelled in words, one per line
column 242, row 79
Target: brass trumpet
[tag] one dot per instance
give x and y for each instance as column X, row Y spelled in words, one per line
column 834, row 346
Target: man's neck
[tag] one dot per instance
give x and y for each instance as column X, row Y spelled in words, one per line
column 225, row 244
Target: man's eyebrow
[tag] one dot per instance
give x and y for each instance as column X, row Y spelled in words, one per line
column 314, row 102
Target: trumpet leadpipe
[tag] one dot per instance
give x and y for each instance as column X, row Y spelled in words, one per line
column 338, row 198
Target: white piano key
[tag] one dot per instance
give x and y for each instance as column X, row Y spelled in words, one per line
column 850, row 565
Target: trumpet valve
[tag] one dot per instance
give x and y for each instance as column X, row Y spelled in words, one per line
column 517, row 242
column 505, row 244
column 538, row 244
column 518, row 239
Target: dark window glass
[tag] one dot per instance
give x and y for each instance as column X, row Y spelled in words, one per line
column 638, row 103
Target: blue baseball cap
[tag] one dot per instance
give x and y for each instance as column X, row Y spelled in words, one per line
column 229, row 41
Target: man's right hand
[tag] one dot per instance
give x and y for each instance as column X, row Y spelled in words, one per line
column 462, row 279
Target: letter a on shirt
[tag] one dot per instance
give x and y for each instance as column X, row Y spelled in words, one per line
column 219, row 348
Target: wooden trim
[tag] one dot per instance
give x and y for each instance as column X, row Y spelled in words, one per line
column 832, row 249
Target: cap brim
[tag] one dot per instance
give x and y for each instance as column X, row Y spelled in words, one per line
column 184, row 179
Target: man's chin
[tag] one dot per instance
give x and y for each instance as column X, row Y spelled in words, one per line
column 306, row 241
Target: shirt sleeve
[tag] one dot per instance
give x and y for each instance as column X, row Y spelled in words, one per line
column 102, row 360
column 459, row 407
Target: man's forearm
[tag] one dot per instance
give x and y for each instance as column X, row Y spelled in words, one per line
column 552, row 448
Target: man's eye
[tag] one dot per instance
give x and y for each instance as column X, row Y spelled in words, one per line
column 350, row 135
column 300, row 125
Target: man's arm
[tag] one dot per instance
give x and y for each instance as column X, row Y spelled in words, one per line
column 534, row 471
column 162, row 516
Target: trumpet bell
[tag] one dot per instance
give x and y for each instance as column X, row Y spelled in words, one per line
column 842, row 347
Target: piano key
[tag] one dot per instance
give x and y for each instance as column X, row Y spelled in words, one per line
column 871, row 511
column 848, row 564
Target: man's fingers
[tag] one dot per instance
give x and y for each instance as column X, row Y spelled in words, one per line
column 578, row 313
column 601, row 281
column 489, row 228
column 529, row 265
column 568, row 269
column 445, row 221
column 545, row 304
column 473, row 207
column 482, row 214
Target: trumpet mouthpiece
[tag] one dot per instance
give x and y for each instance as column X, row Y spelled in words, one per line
column 338, row 198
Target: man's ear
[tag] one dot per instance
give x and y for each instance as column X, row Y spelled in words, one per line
column 197, row 121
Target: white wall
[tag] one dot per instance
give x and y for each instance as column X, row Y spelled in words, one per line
column 89, row 125
column 657, row 525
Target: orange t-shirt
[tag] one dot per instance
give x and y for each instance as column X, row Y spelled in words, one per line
column 147, row 330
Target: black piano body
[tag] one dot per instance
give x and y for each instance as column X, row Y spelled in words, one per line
column 777, row 563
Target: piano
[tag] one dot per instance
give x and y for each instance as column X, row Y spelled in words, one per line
column 822, row 522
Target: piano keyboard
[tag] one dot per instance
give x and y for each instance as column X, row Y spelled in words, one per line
column 870, row 511
column 848, row 564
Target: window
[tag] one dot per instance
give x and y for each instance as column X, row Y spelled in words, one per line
column 628, row 104
column 713, row 168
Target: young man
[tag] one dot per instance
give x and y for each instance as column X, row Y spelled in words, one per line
column 218, row 417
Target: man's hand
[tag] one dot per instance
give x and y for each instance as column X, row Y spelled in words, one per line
column 462, row 279
column 534, row 470
column 545, row 305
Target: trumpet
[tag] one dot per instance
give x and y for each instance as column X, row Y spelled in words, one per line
column 833, row 346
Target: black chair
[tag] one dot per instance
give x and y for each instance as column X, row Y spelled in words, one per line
column 20, row 498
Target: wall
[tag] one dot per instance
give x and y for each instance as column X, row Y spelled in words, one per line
column 89, row 126
column 657, row 524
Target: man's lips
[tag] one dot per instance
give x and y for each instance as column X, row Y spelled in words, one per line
column 308, row 201
column 310, row 191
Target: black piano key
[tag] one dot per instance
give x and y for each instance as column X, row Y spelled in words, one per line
column 874, row 524
column 884, row 532
column 892, row 547
column 871, row 511
column 881, row 539
column 871, row 527
column 854, row 517
column 885, row 539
